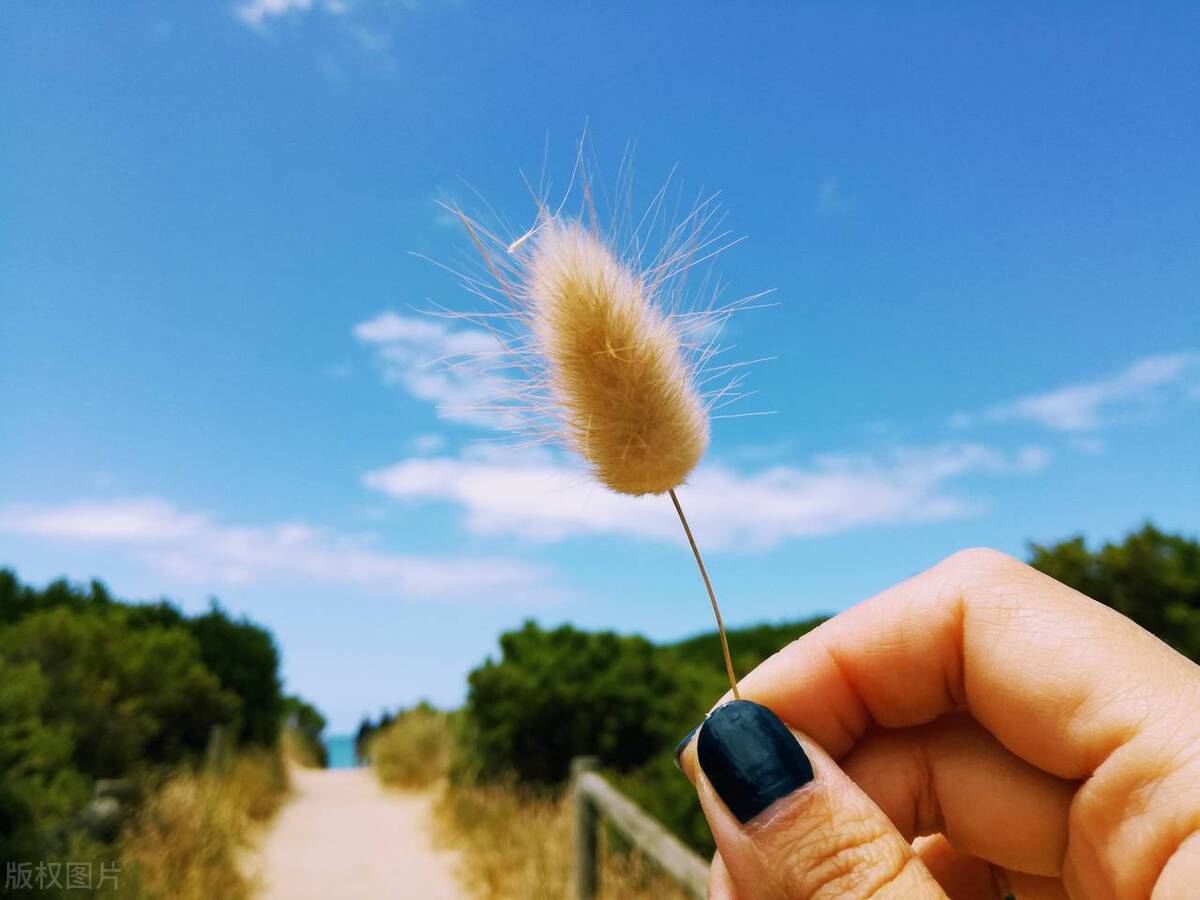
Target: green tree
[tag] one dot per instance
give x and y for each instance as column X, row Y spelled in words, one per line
column 121, row 694
column 40, row 789
column 1151, row 577
column 557, row 694
column 245, row 659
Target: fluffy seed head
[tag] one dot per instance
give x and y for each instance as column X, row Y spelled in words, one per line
column 602, row 330
column 613, row 363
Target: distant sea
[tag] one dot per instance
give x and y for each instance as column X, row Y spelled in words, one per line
column 340, row 748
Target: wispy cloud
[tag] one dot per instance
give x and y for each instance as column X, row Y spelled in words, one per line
column 256, row 13
column 354, row 35
column 830, row 196
column 539, row 497
column 195, row 547
column 428, row 443
column 418, row 354
column 1144, row 388
column 373, row 40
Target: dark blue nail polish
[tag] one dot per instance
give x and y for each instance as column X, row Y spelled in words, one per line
column 750, row 757
column 682, row 745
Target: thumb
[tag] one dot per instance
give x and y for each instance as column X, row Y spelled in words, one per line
column 788, row 823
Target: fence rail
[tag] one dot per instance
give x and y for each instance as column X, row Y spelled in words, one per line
column 596, row 798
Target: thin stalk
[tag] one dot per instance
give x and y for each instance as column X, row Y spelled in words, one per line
column 711, row 595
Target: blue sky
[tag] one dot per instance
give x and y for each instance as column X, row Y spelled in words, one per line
column 980, row 226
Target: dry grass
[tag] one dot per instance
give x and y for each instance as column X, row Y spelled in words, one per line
column 515, row 846
column 186, row 841
column 299, row 750
column 414, row 751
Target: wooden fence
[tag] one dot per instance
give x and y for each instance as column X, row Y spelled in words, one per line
column 596, row 798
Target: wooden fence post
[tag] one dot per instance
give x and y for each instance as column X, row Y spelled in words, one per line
column 587, row 879
column 595, row 798
column 216, row 757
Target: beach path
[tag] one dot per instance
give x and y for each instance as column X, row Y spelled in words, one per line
column 342, row 835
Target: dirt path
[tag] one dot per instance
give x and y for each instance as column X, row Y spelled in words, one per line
column 341, row 835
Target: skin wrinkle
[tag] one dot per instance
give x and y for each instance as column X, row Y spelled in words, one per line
column 854, row 730
column 954, row 665
column 906, row 863
column 930, row 817
column 983, row 567
column 1106, row 791
column 1131, row 797
column 845, row 862
column 1080, row 707
column 865, row 717
column 917, row 775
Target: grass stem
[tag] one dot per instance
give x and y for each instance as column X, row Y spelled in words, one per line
column 711, row 595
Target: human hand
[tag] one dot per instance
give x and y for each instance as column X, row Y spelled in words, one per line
column 978, row 731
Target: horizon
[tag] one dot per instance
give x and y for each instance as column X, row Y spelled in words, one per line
column 216, row 363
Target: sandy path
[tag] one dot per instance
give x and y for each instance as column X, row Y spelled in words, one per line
column 341, row 835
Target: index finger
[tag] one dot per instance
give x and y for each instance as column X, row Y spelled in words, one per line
column 1059, row 679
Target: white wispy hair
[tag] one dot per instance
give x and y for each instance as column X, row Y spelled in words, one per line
column 602, row 345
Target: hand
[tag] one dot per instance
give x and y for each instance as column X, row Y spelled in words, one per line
column 978, row 731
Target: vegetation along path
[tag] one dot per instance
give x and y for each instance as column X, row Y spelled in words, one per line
column 342, row 835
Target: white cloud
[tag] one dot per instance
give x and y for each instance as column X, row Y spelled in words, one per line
column 429, row 358
column 197, row 548
column 1143, row 387
column 255, row 13
column 538, row 497
column 258, row 13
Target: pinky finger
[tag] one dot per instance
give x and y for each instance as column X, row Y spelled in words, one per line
column 965, row 877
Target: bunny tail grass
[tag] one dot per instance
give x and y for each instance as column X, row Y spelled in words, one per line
column 613, row 363
column 615, row 366
column 712, row 597
column 594, row 342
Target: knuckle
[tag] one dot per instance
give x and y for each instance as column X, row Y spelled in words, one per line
column 980, row 560
column 1145, row 795
column 859, row 859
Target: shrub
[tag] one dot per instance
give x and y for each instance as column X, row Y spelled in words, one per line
column 557, row 694
column 414, row 750
column 245, row 659
column 91, row 688
column 122, row 695
column 40, row 790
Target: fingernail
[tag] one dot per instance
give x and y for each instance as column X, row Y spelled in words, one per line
column 682, row 745
column 750, row 757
